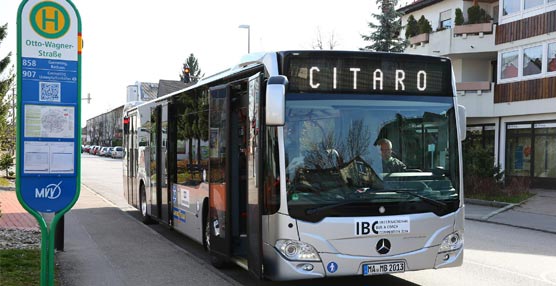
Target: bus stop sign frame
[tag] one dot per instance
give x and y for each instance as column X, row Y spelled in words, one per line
column 48, row 115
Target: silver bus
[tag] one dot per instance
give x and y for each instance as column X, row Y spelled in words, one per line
column 307, row 164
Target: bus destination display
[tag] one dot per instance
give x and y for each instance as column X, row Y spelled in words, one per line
column 370, row 75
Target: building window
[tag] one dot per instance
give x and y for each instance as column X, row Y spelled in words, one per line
column 481, row 136
column 509, row 64
column 532, row 60
column 531, row 149
column 545, row 150
column 511, row 6
column 526, row 62
column 446, row 19
column 551, row 57
column 518, row 150
column 532, row 3
column 520, row 9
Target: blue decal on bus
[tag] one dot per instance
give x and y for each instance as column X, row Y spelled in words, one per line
column 332, row 267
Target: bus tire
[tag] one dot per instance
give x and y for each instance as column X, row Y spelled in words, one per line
column 217, row 261
column 145, row 217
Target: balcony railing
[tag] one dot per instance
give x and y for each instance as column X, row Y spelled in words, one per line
column 419, row 39
column 477, row 86
column 480, row 29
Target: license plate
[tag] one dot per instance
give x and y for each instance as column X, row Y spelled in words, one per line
column 383, row 268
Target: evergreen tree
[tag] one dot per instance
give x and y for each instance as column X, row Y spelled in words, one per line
column 412, row 28
column 194, row 71
column 7, row 130
column 386, row 35
column 424, row 25
column 459, row 17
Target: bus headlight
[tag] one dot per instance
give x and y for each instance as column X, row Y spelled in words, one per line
column 451, row 242
column 297, row 250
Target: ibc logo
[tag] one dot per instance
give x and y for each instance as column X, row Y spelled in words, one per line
column 51, row 192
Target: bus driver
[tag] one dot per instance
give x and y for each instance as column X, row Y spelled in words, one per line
column 389, row 163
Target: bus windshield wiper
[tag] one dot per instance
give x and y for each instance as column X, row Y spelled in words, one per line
column 423, row 198
column 315, row 210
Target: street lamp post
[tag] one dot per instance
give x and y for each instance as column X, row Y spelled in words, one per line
column 248, row 36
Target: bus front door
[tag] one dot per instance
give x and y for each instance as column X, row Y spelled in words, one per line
column 218, row 221
column 234, row 201
column 254, row 176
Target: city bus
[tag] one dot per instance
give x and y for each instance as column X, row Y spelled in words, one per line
column 276, row 165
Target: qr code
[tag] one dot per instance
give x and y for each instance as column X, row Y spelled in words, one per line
column 49, row 91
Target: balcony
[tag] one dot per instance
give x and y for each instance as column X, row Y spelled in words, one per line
column 477, row 97
column 465, row 39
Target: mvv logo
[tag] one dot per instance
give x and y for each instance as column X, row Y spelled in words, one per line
column 51, row 192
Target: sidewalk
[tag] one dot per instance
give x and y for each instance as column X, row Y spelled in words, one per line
column 14, row 216
column 536, row 213
column 106, row 246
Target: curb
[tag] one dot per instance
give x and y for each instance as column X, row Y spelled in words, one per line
column 502, row 207
column 512, row 225
column 495, row 204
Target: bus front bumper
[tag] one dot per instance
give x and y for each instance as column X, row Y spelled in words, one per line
column 332, row 264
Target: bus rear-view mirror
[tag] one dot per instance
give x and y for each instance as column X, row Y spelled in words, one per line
column 276, row 100
column 462, row 122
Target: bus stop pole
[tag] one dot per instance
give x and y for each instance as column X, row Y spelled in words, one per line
column 59, row 236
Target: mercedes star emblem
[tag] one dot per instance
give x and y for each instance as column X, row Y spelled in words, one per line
column 383, row 246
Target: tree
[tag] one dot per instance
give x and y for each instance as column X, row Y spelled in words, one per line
column 194, row 71
column 319, row 43
column 459, row 17
column 424, row 25
column 386, row 35
column 411, row 29
column 477, row 14
column 6, row 162
column 7, row 130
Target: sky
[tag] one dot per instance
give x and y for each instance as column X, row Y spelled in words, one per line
column 129, row 41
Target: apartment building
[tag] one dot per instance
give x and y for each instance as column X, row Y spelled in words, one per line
column 505, row 69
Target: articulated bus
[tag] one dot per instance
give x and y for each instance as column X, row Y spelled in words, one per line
column 275, row 164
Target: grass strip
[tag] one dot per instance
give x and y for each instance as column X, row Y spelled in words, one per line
column 20, row 267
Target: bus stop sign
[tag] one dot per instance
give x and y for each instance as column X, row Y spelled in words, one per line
column 48, row 105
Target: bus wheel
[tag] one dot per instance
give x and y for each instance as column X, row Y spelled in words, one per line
column 145, row 218
column 215, row 259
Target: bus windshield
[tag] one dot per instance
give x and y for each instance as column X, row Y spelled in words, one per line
column 360, row 155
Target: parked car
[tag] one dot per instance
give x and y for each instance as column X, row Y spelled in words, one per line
column 93, row 149
column 118, row 152
column 103, row 151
